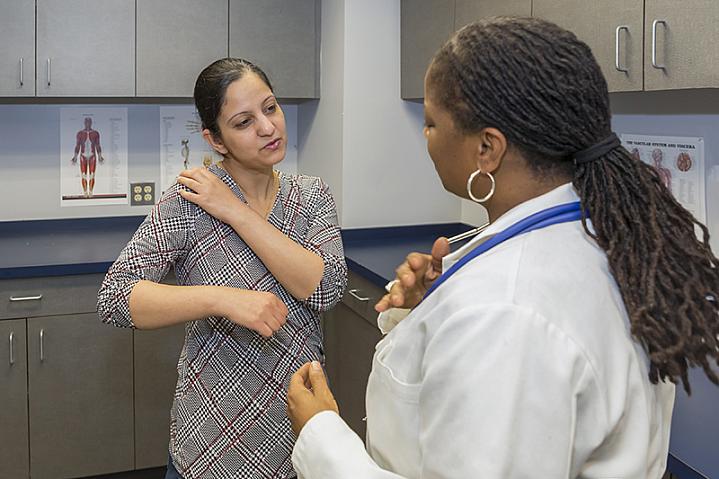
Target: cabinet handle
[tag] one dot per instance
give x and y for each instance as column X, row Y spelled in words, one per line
column 12, row 348
column 22, row 80
column 25, row 298
column 654, row 43
column 49, row 72
column 617, row 36
column 353, row 293
column 42, row 345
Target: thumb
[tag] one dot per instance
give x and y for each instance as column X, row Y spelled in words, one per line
column 317, row 378
column 440, row 249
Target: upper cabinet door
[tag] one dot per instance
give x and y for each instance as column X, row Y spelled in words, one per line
column 281, row 37
column 470, row 10
column 86, row 48
column 680, row 44
column 17, row 48
column 425, row 26
column 176, row 39
column 611, row 28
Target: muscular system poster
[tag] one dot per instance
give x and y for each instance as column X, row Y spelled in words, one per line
column 181, row 143
column 93, row 156
column 679, row 161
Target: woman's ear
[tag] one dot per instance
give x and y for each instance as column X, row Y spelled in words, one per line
column 214, row 142
column 491, row 147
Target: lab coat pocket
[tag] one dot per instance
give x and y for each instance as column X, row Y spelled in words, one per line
column 393, row 370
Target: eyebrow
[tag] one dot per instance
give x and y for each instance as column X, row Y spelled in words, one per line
column 271, row 95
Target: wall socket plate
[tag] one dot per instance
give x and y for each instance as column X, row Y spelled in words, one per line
column 142, row 194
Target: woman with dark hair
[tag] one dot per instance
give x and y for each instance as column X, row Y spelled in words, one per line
column 550, row 344
column 257, row 255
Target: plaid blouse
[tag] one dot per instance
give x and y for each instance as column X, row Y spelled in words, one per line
column 228, row 417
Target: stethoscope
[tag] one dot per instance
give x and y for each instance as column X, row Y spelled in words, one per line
column 551, row 216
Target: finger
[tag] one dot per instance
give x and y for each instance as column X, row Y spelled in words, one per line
column 188, row 182
column 440, row 249
column 418, row 261
column 299, row 379
column 264, row 330
column 191, row 173
column 383, row 304
column 273, row 323
column 406, row 276
column 190, row 196
column 318, row 379
column 396, row 295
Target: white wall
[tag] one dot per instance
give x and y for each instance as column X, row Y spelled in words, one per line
column 360, row 136
column 319, row 123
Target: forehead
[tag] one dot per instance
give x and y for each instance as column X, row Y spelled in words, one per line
column 246, row 93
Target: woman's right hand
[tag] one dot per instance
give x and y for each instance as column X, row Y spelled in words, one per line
column 414, row 277
column 259, row 311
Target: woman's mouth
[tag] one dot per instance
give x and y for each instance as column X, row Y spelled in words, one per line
column 273, row 145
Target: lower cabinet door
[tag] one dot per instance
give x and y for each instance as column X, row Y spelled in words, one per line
column 156, row 355
column 14, row 457
column 350, row 340
column 80, row 397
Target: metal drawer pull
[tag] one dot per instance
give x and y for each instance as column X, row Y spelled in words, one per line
column 25, row 298
column 22, row 80
column 12, row 348
column 49, row 71
column 616, row 48
column 353, row 293
column 42, row 345
column 654, row 43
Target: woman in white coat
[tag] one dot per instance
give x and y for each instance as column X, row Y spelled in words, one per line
column 550, row 345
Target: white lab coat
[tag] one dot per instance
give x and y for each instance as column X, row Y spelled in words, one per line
column 520, row 366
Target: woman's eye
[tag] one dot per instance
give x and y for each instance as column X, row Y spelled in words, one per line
column 271, row 108
column 243, row 123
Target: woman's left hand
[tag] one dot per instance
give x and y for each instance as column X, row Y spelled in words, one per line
column 308, row 395
column 209, row 193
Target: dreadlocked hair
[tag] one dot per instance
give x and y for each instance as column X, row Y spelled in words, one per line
column 542, row 87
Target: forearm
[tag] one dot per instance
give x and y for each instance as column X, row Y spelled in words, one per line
column 154, row 305
column 296, row 268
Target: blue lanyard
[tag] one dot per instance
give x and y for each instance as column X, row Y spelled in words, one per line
column 551, row 216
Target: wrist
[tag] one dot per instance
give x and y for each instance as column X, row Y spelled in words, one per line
column 213, row 300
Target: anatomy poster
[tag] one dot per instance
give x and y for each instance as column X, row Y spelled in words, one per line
column 181, row 143
column 93, row 156
column 680, row 164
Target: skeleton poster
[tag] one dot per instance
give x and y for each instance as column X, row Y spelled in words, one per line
column 93, row 156
column 181, row 143
column 679, row 161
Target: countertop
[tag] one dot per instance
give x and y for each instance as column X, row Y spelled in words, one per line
column 90, row 245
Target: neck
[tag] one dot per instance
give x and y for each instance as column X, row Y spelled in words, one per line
column 254, row 184
column 518, row 193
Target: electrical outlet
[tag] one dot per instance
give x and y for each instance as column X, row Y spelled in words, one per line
column 142, row 194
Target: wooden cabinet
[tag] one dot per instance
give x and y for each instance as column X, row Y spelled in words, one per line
column 80, row 397
column 425, row 26
column 640, row 45
column 14, row 452
column 612, row 29
column 85, row 48
column 282, row 37
column 156, row 356
column 176, row 39
column 680, row 44
column 351, row 334
column 468, row 11
column 17, row 48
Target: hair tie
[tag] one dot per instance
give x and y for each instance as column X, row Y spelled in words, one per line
column 597, row 150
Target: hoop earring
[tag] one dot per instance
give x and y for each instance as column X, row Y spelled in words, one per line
column 469, row 187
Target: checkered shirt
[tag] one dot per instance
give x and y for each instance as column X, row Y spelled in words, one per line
column 228, row 418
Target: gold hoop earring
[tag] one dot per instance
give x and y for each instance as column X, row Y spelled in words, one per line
column 469, row 187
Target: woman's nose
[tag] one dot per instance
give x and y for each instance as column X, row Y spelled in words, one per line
column 265, row 127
